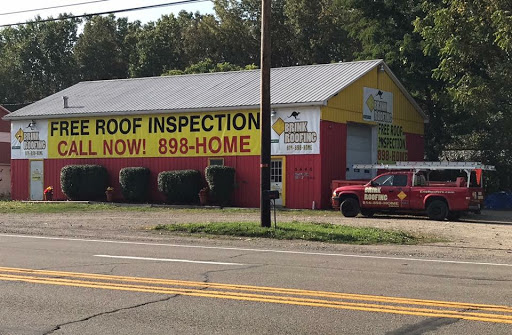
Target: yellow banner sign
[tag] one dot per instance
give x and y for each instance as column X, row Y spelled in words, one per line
column 392, row 146
column 169, row 135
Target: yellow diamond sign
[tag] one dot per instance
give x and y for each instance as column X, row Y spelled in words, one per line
column 278, row 126
column 402, row 195
column 370, row 102
column 20, row 135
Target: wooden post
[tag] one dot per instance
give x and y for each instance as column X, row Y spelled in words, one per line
column 265, row 114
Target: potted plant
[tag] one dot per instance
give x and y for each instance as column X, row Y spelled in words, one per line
column 48, row 193
column 109, row 193
column 203, row 196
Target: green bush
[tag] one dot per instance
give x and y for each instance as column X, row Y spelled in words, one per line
column 84, row 182
column 134, row 183
column 180, row 186
column 221, row 181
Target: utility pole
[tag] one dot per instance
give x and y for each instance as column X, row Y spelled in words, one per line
column 265, row 114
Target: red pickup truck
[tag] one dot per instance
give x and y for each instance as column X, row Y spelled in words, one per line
column 407, row 191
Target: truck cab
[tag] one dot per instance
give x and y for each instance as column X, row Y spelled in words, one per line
column 409, row 192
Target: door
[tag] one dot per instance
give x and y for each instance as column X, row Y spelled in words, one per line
column 277, row 178
column 36, row 180
column 387, row 192
column 360, row 139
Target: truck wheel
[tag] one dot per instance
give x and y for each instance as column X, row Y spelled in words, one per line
column 367, row 213
column 349, row 207
column 454, row 216
column 437, row 210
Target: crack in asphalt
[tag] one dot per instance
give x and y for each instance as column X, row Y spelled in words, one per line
column 239, row 255
column 59, row 327
column 427, row 326
column 206, row 274
column 457, row 277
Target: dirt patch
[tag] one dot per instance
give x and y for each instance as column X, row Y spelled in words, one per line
column 486, row 237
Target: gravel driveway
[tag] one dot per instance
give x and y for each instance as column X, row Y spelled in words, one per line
column 486, row 237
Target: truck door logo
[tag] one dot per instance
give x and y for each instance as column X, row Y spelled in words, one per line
column 374, row 194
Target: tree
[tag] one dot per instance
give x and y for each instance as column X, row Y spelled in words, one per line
column 36, row 59
column 100, row 50
column 201, row 39
column 319, row 31
column 385, row 29
column 473, row 40
column 302, row 32
column 236, row 35
column 209, row 66
column 159, row 46
column 281, row 33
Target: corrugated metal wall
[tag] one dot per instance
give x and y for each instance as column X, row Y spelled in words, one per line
column 19, row 179
column 347, row 106
column 247, row 174
column 303, row 177
column 5, row 140
column 5, row 126
column 5, row 153
column 303, row 181
column 333, row 146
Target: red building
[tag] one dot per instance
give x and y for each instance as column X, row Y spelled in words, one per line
column 5, row 154
column 324, row 119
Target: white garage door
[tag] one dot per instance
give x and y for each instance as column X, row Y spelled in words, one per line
column 360, row 150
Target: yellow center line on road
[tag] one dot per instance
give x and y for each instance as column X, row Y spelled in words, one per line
column 270, row 296
column 263, row 298
column 348, row 296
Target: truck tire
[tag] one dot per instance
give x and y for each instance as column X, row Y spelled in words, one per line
column 437, row 210
column 367, row 212
column 454, row 216
column 349, row 207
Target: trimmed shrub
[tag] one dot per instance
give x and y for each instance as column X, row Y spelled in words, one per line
column 221, row 181
column 180, row 186
column 134, row 183
column 84, row 182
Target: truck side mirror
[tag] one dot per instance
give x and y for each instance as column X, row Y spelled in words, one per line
column 373, row 183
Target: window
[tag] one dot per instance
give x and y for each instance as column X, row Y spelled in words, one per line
column 216, row 161
column 400, row 180
column 276, row 171
column 386, row 180
column 420, row 180
column 391, row 180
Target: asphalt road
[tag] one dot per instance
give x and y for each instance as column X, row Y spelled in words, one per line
column 51, row 285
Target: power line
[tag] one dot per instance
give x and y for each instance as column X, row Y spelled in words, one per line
column 54, row 7
column 108, row 12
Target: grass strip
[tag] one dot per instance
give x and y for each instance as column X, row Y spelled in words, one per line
column 33, row 207
column 70, row 206
column 309, row 231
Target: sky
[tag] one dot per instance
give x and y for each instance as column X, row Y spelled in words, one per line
column 98, row 6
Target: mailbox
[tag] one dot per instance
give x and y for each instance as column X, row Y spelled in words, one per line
column 272, row 195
